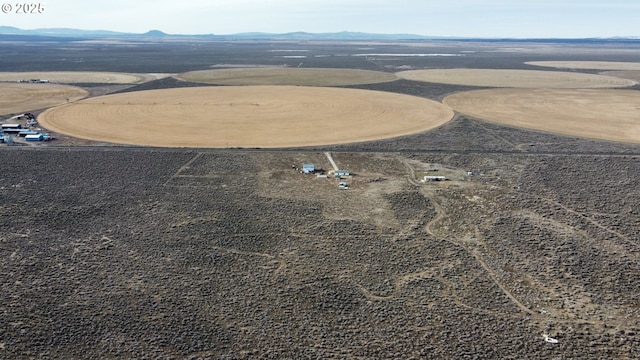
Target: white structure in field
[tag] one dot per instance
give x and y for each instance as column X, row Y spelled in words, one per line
column 308, row 168
column 549, row 339
column 434, row 178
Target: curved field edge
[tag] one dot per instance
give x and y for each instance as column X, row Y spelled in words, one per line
column 588, row 65
column 287, row 76
column 18, row 98
column 244, row 116
column 516, row 78
column 87, row 77
column 590, row 113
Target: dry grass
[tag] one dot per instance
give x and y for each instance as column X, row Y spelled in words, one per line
column 625, row 74
column 71, row 77
column 595, row 65
column 601, row 114
column 516, row 78
column 246, row 116
column 287, row 76
column 17, row 98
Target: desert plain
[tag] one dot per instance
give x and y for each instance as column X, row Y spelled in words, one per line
column 119, row 249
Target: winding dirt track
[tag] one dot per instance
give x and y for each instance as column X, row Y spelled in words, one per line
column 601, row 114
column 441, row 214
column 246, row 116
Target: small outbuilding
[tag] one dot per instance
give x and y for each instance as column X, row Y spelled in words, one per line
column 34, row 137
column 15, row 131
column 308, row 168
column 24, row 133
column 434, row 178
column 342, row 173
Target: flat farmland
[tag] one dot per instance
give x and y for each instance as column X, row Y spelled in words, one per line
column 627, row 74
column 257, row 116
column 67, row 77
column 516, row 78
column 603, row 114
column 19, row 98
column 287, row 76
column 598, row 65
column 131, row 251
column 625, row 70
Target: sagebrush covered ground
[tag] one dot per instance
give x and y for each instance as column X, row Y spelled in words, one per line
column 128, row 252
column 157, row 253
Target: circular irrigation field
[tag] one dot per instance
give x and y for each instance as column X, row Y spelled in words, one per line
column 516, row 78
column 18, row 97
column 626, row 74
column 594, row 113
column 75, row 77
column 246, row 116
column 288, row 76
column 594, row 65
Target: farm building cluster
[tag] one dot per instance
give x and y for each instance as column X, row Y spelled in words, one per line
column 338, row 174
column 13, row 127
column 34, row 81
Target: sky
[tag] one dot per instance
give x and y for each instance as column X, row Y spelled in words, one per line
column 462, row 18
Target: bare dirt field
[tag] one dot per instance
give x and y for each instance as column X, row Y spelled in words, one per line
column 596, row 65
column 626, row 74
column 288, row 76
column 516, row 78
column 259, row 116
column 601, row 114
column 72, row 77
column 17, row 98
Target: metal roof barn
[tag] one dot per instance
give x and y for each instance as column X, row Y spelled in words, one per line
column 12, row 130
column 34, row 137
column 27, row 132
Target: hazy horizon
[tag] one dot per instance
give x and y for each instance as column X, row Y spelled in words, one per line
column 464, row 18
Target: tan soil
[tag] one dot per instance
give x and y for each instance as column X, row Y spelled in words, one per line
column 625, row 74
column 287, row 76
column 601, row 114
column 515, row 78
column 17, row 98
column 72, row 77
column 595, row 65
column 245, row 116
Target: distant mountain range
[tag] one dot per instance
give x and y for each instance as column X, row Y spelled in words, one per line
column 77, row 33
column 343, row 36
